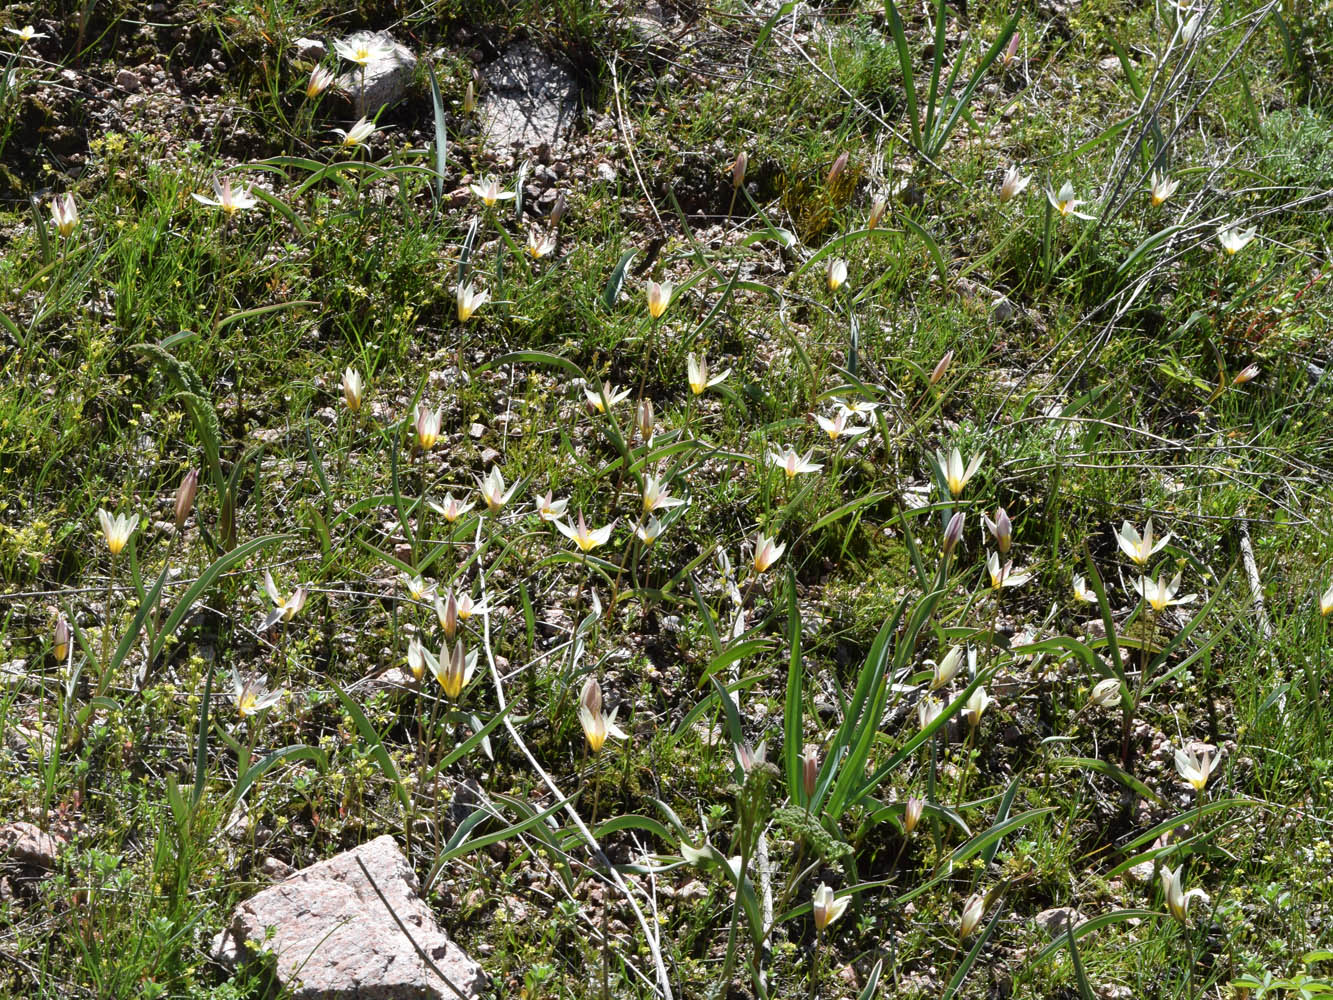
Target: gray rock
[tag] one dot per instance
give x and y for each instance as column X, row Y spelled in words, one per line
column 310, row 48
column 1058, row 919
column 386, row 77
column 29, row 845
column 531, row 100
column 332, row 936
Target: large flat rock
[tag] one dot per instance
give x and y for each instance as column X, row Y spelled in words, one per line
column 531, row 100
column 334, row 938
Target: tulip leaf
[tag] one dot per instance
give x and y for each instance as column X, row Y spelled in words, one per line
column 534, row 358
column 931, row 246
column 298, row 751
column 611, row 294
column 238, row 317
column 376, row 745
column 441, row 147
column 206, row 578
column 733, row 654
column 1084, row 990
column 792, row 726
column 1112, row 771
column 1088, row 926
column 772, row 23
column 709, row 700
column 457, row 847
column 201, row 743
column 633, row 821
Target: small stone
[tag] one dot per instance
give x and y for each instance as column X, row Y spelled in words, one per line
column 692, row 890
column 1058, row 919
column 15, row 672
column 606, row 172
column 476, row 430
column 489, row 456
column 311, row 48
column 275, row 868
column 128, row 81
column 26, row 844
column 1140, row 873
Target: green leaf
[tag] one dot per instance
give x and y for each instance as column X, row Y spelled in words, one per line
column 905, row 67
column 206, row 579
column 731, row 654
column 297, row 751
column 611, row 294
column 535, row 358
column 1088, row 927
column 201, row 742
column 1113, row 771
column 792, row 723
column 441, row 147
column 377, row 748
column 244, row 314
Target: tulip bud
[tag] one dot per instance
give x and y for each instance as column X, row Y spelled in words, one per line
column 941, row 367
column 185, row 494
column 1010, row 50
column 809, row 772
column 825, row 909
column 973, row 910
column 1001, row 529
column 60, row 640
column 953, row 532
column 591, row 696
column 836, row 274
column 353, row 389
column 738, row 166
column 876, row 211
column 835, row 171
column 449, row 620
column 1245, row 374
column 559, row 209
column 645, row 419
column 912, row 814
column 469, row 99
column 747, row 758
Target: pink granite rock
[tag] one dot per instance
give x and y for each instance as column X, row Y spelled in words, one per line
column 334, row 938
column 29, row 845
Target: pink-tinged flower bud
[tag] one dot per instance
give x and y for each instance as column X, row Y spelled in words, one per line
column 559, row 209
column 738, row 166
column 449, row 620
column 1011, row 50
column 1001, row 529
column 953, row 532
column 645, row 419
column 973, row 910
column 835, row 171
column 60, row 640
column 591, row 696
column 809, row 772
column 877, row 208
column 185, row 494
column 912, row 814
column 941, row 367
column 1245, row 374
